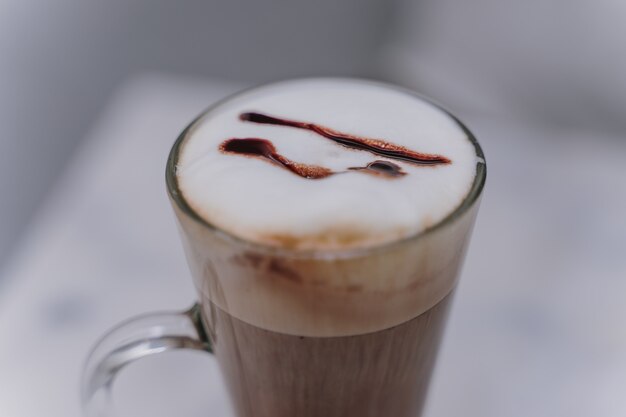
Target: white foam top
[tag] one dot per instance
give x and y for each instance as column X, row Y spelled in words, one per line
column 261, row 201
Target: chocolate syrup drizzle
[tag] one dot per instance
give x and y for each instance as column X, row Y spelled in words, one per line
column 265, row 149
column 376, row 146
column 384, row 168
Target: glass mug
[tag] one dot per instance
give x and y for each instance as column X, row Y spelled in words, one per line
column 294, row 332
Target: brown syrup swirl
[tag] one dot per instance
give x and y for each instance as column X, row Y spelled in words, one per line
column 375, row 146
column 264, row 149
column 384, row 168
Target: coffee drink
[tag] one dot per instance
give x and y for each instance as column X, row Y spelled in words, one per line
column 325, row 222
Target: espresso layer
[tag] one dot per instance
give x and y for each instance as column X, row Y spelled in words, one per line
column 378, row 374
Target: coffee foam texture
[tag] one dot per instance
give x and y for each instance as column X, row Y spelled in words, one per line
column 258, row 201
column 322, row 294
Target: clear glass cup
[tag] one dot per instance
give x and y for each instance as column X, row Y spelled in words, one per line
column 295, row 332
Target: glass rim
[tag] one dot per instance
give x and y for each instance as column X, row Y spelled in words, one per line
column 177, row 196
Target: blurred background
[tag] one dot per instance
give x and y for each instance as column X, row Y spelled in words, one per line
column 92, row 94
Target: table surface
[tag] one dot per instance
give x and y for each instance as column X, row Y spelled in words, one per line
column 536, row 330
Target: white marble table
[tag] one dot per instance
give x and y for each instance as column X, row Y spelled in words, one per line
column 537, row 329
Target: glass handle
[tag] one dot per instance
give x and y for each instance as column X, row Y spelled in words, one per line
column 135, row 339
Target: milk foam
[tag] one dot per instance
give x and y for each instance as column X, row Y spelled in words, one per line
column 326, row 292
column 258, row 201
